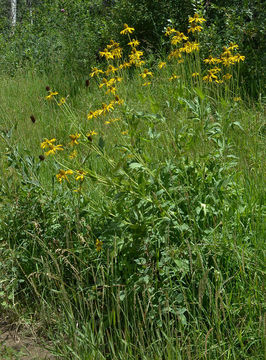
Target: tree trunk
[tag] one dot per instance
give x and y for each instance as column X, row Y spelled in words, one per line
column 13, row 13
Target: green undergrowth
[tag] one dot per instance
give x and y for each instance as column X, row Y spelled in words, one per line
column 148, row 244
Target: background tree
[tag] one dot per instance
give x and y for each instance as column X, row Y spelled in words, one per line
column 13, row 12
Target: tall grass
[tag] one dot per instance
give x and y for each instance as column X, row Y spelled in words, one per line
column 156, row 251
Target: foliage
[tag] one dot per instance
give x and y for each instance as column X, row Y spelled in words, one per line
column 70, row 34
column 132, row 207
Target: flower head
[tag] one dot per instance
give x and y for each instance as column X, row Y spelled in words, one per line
column 73, row 154
column 146, row 73
column 62, row 101
column 74, row 139
column 178, row 38
column 51, row 95
column 63, row 175
column 189, row 47
column 53, row 149
column 170, row 31
column 161, row 65
column 134, row 43
column 196, row 19
column 90, row 134
column 127, row 30
column 80, row 175
column 211, row 60
column 46, row 143
column 227, row 76
column 98, row 245
column 95, row 71
column 173, row 77
column 194, row 27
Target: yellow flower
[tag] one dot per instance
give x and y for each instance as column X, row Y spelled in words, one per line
column 91, row 133
column 232, row 46
column 212, row 60
column 124, row 132
column 227, row 52
column 127, row 30
column 178, row 38
column 73, row 154
column 239, row 57
column 196, row 19
column 146, row 83
column 90, row 115
column 53, row 148
column 170, row 31
column 95, row 114
column 46, row 143
column 111, row 90
column 51, row 95
column 212, row 75
column 219, row 81
column 74, row 138
column 112, row 44
column 133, row 43
column 125, row 65
column 95, row 71
column 135, row 55
column 104, row 82
column 174, row 77
column 209, row 77
column 194, row 27
column 237, row 99
column 118, row 101
column 63, row 175
column 195, row 74
column 62, row 101
column 111, row 121
column 227, row 61
column 107, row 108
column 139, row 63
column 227, row 76
column 107, row 54
column 161, row 65
column 146, row 73
column 117, row 53
column 80, row 175
column 175, row 54
column 214, row 70
column 189, row 47
column 98, row 245
column 110, row 69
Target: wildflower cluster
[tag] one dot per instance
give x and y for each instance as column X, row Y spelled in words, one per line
column 195, row 22
column 182, row 46
column 225, row 60
column 112, row 51
column 180, row 42
column 52, row 96
column 106, row 108
column 109, row 78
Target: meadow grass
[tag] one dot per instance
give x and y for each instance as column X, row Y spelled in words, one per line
column 153, row 247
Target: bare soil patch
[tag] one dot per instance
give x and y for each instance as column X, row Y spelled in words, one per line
column 20, row 343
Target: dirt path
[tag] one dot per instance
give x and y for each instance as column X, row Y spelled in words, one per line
column 16, row 344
